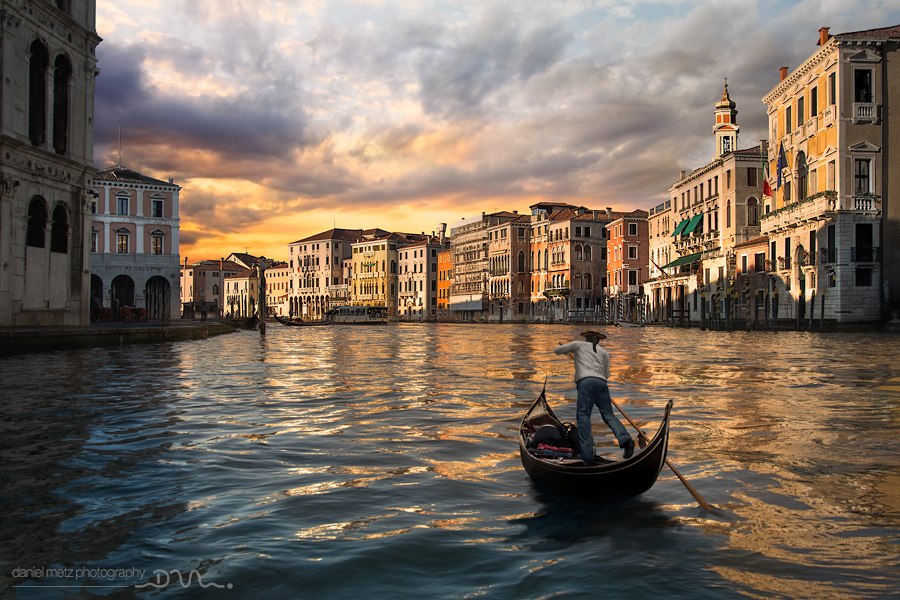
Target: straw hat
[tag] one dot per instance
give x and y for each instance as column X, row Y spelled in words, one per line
column 591, row 333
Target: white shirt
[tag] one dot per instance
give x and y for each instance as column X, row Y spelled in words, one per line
column 587, row 362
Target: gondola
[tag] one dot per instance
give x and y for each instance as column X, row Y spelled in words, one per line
column 245, row 323
column 297, row 323
column 606, row 480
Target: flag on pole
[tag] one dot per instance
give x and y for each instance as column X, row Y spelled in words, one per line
column 767, row 188
column 782, row 163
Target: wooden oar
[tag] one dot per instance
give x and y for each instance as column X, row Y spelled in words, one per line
column 645, row 440
column 703, row 503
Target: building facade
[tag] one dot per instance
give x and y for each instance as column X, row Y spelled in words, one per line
column 469, row 293
column 242, row 293
column 568, row 262
column 278, row 286
column 444, row 281
column 134, row 243
column 710, row 210
column 509, row 272
column 319, row 279
column 417, row 297
column 203, row 285
column 833, row 218
column 627, row 251
column 48, row 67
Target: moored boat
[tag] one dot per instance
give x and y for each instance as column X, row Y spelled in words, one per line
column 299, row 323
column 358, row 315
column 608, row 480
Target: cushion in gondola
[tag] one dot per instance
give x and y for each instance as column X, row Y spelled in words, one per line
column 549, row 434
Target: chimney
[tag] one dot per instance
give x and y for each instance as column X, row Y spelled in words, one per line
column 682, row 174
column 824, row 36
column 782, row 73
column 222, row 263
column 185, row 262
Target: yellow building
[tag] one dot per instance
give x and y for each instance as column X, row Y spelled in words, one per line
column 832, row 218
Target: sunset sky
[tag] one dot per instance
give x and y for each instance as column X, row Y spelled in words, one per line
column 282, row 119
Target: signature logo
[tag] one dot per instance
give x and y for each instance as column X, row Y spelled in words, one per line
column 164, row 580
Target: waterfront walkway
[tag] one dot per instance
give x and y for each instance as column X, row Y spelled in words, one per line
column 15, row 340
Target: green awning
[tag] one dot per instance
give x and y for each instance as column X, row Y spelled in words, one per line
column 684, row 260
column 692, row 225
column 680, row 226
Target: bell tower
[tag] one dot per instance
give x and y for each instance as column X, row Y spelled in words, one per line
column 726, row 127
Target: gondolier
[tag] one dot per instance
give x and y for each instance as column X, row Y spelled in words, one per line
column 605, row 480
column 591, row 377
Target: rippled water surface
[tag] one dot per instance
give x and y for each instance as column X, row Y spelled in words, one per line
column 382, row 462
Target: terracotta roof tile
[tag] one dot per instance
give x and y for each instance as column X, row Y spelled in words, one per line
column 125, row 175
column 891, row 33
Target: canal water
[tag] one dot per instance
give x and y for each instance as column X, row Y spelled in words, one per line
column 382, row 462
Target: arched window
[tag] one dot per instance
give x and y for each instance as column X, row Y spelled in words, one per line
column 578, row 282
column 728, row 213
column 61, row 78
column 215, row 289
column 37, row 93
column 588, row 283
column 37, row 222
column 521, row 261
column 577, row 253
column 587, row 252
column 59, row 231
column 752, row 211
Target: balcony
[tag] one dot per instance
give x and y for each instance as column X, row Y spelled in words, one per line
column 798, row 135
column 828, row 116
column 615, row 290
column 812, row 126
column 867, row 202
column 828, row 255
column 865, row 112
column 792, row 215
column 557, row 291
column 867, row 254
column 338, row 292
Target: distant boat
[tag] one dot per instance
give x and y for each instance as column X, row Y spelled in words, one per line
column 604, row 480
column 629, row 324
column 245, row 323
column 299, row 323
column 358, row 315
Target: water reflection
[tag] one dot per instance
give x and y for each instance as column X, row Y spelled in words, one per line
column 369, row 461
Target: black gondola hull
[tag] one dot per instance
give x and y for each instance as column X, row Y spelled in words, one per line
column 605, row 480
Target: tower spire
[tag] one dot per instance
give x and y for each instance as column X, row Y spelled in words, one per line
column 726, row 127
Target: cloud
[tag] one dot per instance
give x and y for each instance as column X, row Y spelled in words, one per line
column 270, row 113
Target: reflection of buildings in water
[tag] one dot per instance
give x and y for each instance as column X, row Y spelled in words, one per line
column 825, row 524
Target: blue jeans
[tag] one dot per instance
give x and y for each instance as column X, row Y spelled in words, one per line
column 591, row 391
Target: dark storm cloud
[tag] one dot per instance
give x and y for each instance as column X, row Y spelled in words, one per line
column 259, row 123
